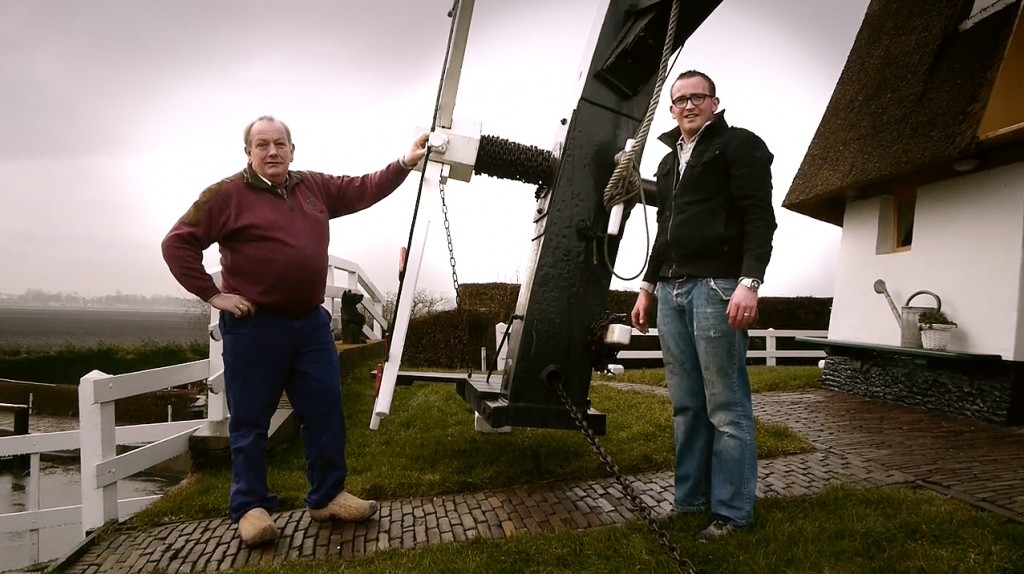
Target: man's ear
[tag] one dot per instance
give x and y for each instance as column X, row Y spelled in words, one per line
column 248, row 152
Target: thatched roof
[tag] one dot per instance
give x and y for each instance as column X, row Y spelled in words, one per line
column 908, row 103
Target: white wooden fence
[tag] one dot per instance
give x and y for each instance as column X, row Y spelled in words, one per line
column 98, row 437
column 345, row 275
column 97, row 440
column 770, row 354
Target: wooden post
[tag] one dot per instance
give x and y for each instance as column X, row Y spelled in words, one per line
column 98, row 443
column 33, row 505
column 21, row 420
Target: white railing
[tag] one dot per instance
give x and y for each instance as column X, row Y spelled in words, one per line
column 770, row 354
column 97, row 441
column 102, row 467
column 98, row 437
column 345, row 275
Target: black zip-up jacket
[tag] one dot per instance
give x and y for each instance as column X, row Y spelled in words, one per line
column 717, row 219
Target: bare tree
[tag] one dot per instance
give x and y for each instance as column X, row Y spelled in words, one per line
column 424, row 302
column 197, row 316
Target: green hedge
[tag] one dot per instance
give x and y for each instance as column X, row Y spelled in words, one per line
column 449, row 339
column 66, row 365
column 452, row 339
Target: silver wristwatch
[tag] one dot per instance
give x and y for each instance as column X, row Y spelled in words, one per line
column 750, row 283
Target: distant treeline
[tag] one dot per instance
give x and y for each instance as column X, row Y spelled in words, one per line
column 43, row 298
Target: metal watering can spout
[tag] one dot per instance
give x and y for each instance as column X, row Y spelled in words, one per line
column 880, row 288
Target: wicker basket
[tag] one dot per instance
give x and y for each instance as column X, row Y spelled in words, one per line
column 936, row 337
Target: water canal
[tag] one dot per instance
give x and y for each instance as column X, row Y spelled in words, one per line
column 59, row 485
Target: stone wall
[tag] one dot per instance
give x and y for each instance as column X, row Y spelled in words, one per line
column 980, row 391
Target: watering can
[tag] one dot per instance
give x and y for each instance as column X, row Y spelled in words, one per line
column 906, row 316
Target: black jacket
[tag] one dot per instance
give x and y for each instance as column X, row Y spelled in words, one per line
column 717, row 219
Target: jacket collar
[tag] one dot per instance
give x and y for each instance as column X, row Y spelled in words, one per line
column 716, row 124
column 252, row 178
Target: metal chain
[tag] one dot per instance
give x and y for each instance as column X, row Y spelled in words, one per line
column 451, row 250
column 683, row 566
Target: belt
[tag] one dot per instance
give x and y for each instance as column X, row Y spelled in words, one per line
column 287, row 314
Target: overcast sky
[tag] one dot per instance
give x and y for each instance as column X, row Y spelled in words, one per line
column 117, row 113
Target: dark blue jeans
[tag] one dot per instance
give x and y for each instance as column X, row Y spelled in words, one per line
column 267, row 354
column 706, row 374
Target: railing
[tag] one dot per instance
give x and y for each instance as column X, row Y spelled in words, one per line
column 97, row 441
column 344, row 275
column 98, row 437
column 770, row 354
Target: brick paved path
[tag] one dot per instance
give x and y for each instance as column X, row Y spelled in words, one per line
column 858, row 441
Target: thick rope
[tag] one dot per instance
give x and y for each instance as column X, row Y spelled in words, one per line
column 616, row 190
column 625, row 184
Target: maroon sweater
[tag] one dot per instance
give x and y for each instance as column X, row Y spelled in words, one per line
column 273, row 247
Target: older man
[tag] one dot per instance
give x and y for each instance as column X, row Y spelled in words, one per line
column 271, row 225
column 714, row 240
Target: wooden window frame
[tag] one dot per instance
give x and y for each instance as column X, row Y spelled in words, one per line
column 899, row 199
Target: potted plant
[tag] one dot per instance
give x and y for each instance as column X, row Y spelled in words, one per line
column 935, row 329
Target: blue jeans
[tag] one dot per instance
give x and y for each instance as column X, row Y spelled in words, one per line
column 706, row 373
column 267, row 354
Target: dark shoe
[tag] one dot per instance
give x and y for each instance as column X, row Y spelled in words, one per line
column 719, row 528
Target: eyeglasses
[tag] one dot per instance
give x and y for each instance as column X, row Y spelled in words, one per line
column 696, row 99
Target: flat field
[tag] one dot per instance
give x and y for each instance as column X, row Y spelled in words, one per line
column 54, row 327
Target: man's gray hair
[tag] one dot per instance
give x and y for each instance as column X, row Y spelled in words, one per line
column 248, row 129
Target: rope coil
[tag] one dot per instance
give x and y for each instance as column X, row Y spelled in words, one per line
column 626, row 185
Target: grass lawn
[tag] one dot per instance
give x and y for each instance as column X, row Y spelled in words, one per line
column 842, row 530
column 427, row 446
column 762, row 379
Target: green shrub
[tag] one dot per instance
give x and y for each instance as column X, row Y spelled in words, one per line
column 449, row 339
column 66, row 365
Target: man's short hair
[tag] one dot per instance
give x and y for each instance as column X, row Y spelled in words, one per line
column 695, row 74
column 248, row 129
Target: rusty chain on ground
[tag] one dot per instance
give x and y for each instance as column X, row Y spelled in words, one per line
column 683, row 566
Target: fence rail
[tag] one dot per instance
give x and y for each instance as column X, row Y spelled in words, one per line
column 770, row 354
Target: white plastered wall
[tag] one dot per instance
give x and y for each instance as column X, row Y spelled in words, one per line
column 968, row 248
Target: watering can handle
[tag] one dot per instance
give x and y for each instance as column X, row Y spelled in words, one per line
column 938, row 302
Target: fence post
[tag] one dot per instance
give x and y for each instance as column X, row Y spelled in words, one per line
column 216, row 398
column 769, row 346
column 98, row 443
column 33, row 505
column 501, row 354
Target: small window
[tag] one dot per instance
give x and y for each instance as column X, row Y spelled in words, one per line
column 895, row 222
column 903, row 220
